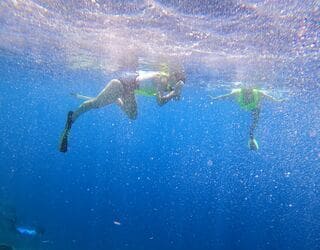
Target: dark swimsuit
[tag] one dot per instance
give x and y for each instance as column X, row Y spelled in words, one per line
column 129, row 82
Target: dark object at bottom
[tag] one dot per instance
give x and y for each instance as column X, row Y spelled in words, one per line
column 63, row 146
column 6, row 247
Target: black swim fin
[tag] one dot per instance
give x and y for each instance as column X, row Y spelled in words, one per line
column 63, row 146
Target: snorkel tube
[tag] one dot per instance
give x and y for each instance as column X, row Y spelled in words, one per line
column 174, row 75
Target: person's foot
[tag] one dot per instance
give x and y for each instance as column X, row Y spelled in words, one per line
column 63, row 146
column 253, row 144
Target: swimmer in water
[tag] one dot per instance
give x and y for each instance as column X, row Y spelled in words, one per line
column 162, row 85
column 249, row 99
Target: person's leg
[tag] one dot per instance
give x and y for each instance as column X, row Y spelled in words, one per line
column 128, row 105
column 108, row 95
column 255, row 119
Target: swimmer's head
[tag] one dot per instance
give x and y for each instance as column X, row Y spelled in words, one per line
column 174, row 71
column 177, row 76
column 246, row 89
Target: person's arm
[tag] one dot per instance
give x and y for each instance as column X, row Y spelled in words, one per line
column 223, row 97
column 269, row 97
column 173, row 94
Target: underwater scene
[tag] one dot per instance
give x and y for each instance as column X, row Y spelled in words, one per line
column 160, row 124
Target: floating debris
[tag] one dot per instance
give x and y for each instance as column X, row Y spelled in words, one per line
column 115, row 222
column 287, row 174
column 210, row 163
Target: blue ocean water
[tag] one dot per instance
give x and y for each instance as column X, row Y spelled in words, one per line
column 180, row 176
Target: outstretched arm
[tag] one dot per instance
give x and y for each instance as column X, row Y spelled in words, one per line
column 269, row 97
column 223, row 97
column 173, row 94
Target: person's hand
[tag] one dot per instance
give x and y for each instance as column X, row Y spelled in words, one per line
column 178, row 88
column 284, row 100
column 281, row 100
column 212, row 97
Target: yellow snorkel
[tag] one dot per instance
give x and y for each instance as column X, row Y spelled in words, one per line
column 165, row 73
column 164, row 70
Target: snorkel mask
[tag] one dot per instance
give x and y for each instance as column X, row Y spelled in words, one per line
column 172, row 76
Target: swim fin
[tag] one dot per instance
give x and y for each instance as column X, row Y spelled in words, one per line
column 253, row 144
column 63, row 146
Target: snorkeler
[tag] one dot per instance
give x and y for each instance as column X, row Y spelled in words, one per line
column 250, row 99
column 163, row 85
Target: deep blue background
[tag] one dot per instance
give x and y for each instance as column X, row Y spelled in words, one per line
column 179, row 177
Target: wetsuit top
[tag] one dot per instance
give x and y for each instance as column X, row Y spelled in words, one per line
column 248, row 105
column 148, row 88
